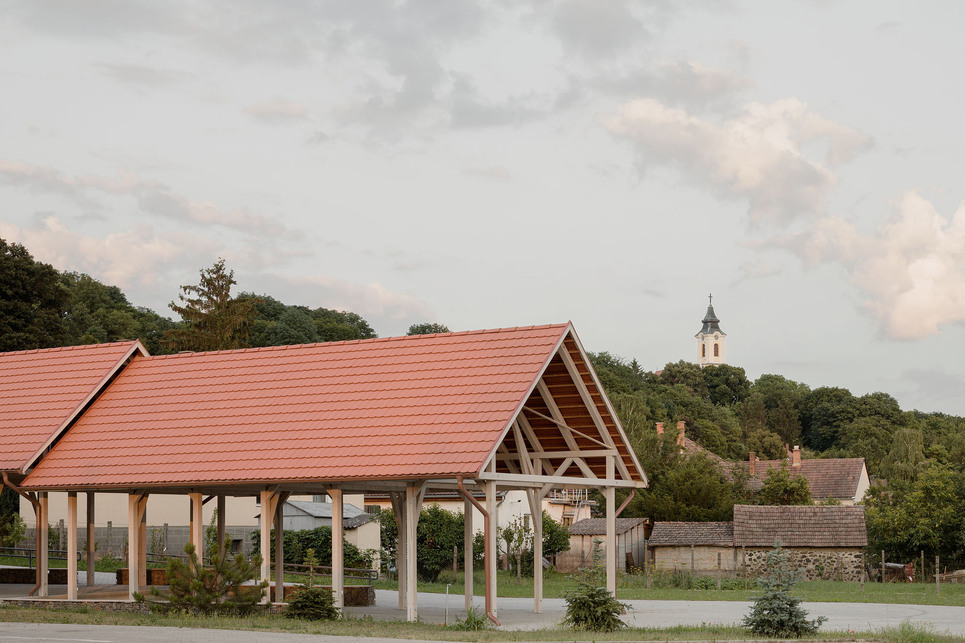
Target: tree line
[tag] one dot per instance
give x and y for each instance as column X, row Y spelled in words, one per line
column 917, row 458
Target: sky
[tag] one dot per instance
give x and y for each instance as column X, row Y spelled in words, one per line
column 516, row 162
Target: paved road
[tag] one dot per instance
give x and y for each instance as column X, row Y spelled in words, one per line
column 515, row 613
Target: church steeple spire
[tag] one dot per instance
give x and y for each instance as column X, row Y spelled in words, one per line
column 710, row 338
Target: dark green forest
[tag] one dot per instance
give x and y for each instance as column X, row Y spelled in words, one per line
column 916, row 458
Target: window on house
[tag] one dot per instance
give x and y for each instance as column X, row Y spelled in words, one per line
column 716, row 350
column 703, row 350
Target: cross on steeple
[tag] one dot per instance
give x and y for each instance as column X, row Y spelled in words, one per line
column 711, row 298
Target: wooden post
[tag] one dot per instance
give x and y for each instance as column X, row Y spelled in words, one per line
column 646, row 561
column 921, row 572
column 71, row 545
column 91, row 540
column 398, row 508
column 196, row 535
column 938, row 578
column 719, row 571
column 493, row 542
column 142, row 542
column 264, row 520
column 882, row 565
column 862, row 570
column 609, row 495
column 693, row 564
column 133, row 559
column 412, row 507
column 338, row 548
column 468, row 555
column 222, row 521
column 535, row 498
column 279, row 520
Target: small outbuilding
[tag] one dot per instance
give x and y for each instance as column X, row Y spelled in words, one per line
column 589, row 534
column 825, row 542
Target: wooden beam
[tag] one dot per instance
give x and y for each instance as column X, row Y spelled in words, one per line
column 609, row 494
column 269, row 501
column 398, row 508
column 563, row 425
column 222, row 520
column 524, row 459
column 590, row 404
column 508, row 458
column 91, row 540
column 133, row 558
column 491, row 534
column 598, row 453
column 71, row 545
column 278, row 520
column 413, row 505
column 338, row 549
column 535, row 498
column 142, row 540
column 196, row 531
column 509, row 479
column 533, row 440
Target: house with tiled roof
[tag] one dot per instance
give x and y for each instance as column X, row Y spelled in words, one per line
column 842, row 480
column 517, row 408
column 824, row 541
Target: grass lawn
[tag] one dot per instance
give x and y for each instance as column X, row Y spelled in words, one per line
column 403, row 630
column 633, row 587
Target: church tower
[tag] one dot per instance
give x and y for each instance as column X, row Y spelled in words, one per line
column 710, row 339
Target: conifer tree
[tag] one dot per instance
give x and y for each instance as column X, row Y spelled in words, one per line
column 211, row 319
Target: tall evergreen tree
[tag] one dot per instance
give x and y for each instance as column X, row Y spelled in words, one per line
column 211, row 319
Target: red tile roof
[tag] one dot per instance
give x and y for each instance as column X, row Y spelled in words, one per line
column 42, row 390
column 827, row 478
column 420, row 406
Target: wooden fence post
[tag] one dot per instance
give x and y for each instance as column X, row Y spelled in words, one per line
column 938, row 578
column 719, row 571
column 882, row 565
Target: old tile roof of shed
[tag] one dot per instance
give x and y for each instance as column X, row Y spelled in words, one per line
column 41, row 391
column 827, row 478
column 692, row 533
column 597, row 526
column 800, row 526
column 405, row 407
column 352, row 516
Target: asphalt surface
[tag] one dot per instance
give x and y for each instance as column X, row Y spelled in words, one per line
column 514, row 613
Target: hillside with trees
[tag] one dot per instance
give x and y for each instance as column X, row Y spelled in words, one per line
column 918, row 458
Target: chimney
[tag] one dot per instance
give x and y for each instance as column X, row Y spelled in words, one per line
column 659, row 428
column 681, row 428
column 796, row 457
column 751, row 460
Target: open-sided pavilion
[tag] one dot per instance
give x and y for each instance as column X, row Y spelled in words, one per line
column 517, row 408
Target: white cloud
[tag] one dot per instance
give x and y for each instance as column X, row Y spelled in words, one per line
column 152, row 196
column 755, row 155
column 278, row 111
column 126, row 258
column 911, row 269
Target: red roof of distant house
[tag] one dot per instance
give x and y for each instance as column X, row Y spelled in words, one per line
column 420, row 406
column 41, row 391
column 827, row 478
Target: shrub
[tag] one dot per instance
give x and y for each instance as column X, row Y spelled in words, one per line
column 593, row 608
column 475, row 620
column 218, row 589
column 446, row 576
column 297, row 543
column 313, row 604
column 775, row 613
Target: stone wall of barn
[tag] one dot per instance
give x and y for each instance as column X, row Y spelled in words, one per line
column 819, row 563
column 815, row 563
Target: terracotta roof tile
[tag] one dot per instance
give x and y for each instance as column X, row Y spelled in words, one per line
column 800, row 526
column 675, row 534
column 827, row 478
column 41, row 389
column 416, row 406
